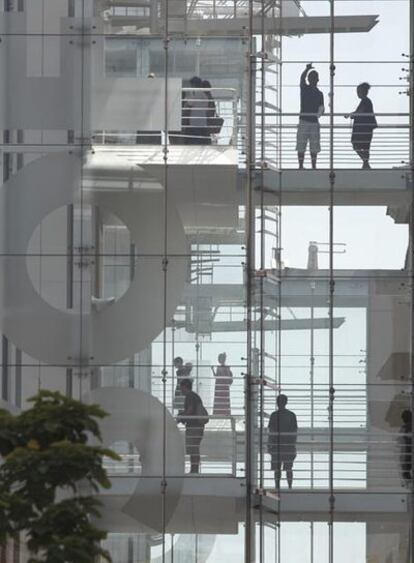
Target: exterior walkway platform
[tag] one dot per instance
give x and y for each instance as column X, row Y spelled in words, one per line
column 352, row 288
column 201, row 180
column 352, row 187
column 350, row 505
column 216, row 505
column 235, row 27
column 208, row 175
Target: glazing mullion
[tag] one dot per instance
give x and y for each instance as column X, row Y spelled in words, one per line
column 331, row 279
column 166, row 44
column 250, row 551
column 411, row 266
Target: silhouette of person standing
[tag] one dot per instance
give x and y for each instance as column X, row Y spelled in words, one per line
column 195, row 417
column 311, row 108
column 406, row 446
column 283, row 429
column 364, row 123
column 196, row 111
column 182, row 372
column 224, row 378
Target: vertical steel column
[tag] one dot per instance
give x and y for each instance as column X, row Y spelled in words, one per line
column 312, row 380
column 5, row 384
column 17, row 351
column 83, row 129
column 4, row 361
column 97, row 281
column 97, row 240
column 249, row 554
column 69, row 283
column 411, row 262
column 312, row 410
column 18, row 376
column 278, row 377
column 165, row 281
column 262, row 337
column 7, row 170
column 331, row 279
column 280, row 200
column 172, row 387
column 133, row 359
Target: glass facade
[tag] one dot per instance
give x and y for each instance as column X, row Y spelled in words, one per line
column 157, row 226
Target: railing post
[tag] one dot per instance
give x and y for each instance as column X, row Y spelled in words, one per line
column 235, row 122
column 411, row 268
column 331, row 281
column 234, row 437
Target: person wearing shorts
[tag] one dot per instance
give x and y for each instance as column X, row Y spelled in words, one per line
column 311, row 108
column 283, row 430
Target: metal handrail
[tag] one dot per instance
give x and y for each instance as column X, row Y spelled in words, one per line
column 226, row 103
column 220, row 97
column 389, row 146
column 224, row 9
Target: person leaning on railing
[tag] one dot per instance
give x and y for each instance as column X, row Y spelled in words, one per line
column 196, row 109
column 364, row 123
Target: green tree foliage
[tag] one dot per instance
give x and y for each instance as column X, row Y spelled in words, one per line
column 48, row 468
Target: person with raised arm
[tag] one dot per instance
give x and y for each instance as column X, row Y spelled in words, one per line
column 311, row 108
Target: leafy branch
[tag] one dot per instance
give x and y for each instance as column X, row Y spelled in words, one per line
column 47, row 464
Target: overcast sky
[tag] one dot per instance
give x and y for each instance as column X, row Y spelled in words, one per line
column 372, row 238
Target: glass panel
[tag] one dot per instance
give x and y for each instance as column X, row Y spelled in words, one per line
column 188, row 224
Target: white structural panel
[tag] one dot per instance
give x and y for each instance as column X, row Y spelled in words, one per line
column 63, row 77
column 57, row 99
column 137, row 417
column 131, row 103
column 201, row 179
column 352, row 187
column 110, row 334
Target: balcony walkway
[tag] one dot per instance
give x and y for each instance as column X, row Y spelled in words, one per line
column 217, row 505
column 352, row 187
column 235, row 27
column 352, row 288
column 210, row 175
column 202, row 180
